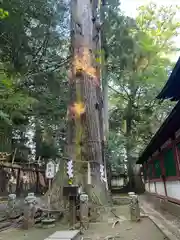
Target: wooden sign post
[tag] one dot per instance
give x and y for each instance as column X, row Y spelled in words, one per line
column 50, row 173
column 71, row 192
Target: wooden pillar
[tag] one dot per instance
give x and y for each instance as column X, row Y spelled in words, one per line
column 176, row 156
column 18, row 182
column 72, row 210
column 153, row 168
column 155, row 187
column 163, row 173
column 37, row 181
column 109, row 176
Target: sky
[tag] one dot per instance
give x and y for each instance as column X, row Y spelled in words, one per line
column 129, row 8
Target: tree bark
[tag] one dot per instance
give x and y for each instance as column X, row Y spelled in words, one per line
column 85, row 132
column 88, row 75
column 135, row 181
column 129, row 144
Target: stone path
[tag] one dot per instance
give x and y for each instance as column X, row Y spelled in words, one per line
column 169, row 224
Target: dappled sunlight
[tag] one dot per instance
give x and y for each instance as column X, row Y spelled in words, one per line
column 77, row 109
column 82, row 62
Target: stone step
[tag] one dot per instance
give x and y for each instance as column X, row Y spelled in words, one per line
column 121, row 200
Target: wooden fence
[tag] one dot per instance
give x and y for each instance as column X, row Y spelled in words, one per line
column 20, row 180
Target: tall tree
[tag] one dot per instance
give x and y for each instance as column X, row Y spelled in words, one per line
column 84, row 112
column 85, row 109
column 34, row 48
column 140, row 67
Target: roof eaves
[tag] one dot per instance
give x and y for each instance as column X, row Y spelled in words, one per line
column 158, row 134
column 172, row 85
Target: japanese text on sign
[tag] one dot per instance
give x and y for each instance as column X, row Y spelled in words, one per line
column 50, row 170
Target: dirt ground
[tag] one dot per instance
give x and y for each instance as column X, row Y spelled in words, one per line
column 124, row 229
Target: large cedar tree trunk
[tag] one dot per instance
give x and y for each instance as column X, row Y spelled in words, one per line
column 86, row 75
column 85, row 133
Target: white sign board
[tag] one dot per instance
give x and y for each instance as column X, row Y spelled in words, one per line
column 103, row 176
column 50, row 170
column 101, row 170
column 70, row 168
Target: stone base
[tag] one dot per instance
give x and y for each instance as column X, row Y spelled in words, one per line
column 48, row 223
column 121, row 200
column 162, row 204
column 27, row 224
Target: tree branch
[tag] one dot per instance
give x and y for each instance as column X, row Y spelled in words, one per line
column 125, row 90
column 116, row 91
column 64, row 62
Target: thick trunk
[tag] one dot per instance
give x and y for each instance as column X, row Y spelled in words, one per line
column 85, row 45
column 100, row 69
column 130, row 168
column 135, row 180
column 139, row 185
column 106, row 114
column 56, row 193
column 85, row 132
column 129, row 143
column 94, row 144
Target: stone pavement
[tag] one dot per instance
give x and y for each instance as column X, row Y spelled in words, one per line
column 167, row 223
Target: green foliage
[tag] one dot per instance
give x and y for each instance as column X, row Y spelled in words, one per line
column 160, row 24
column 116, row 154
column 4, row 117
column 33, row 84
column 34, row 53
column 3, row 14
column 139, row 66
column 14, row 103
